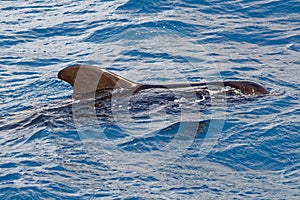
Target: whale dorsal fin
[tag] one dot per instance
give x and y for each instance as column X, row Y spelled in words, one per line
column 87, row 79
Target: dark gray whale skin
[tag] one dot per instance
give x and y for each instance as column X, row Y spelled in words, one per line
column 246, row 87
column 86, row 79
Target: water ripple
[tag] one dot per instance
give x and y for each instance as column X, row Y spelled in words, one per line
column 43, row 156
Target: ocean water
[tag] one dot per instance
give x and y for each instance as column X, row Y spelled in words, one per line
column 177, row 148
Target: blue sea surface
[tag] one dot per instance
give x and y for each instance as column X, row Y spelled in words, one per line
column 51, row 148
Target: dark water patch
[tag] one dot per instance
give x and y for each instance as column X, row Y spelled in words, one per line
column 244, row 68
column 229, row 73
column 55, row 31
column 70, row 28
column 144, row 6
column 9, row 165
column 25, row 73
column 101, row 22
column 261, row 38
column 10, row 177
column 199, row 2
column 25, row 34
column 11, row 8
column 272, row 8
column 13, row 41
column 41, row 62
column 62, row 188
column 82, row 12
column 31, row 163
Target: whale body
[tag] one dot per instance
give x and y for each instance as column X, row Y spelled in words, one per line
column 89, row 79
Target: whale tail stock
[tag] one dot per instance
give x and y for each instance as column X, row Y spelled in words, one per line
column 88, row 79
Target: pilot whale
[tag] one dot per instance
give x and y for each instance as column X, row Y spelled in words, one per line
column 90, row 79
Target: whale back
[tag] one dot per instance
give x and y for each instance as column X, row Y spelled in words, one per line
column 89, row 79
